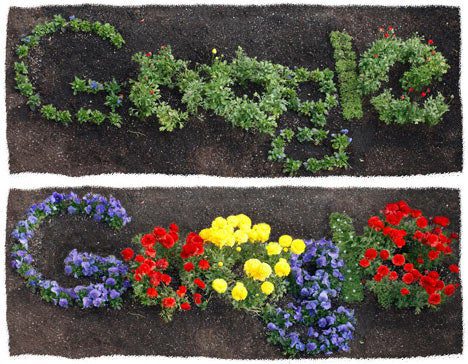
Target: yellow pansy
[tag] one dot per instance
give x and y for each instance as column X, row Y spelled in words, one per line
column 285, row 241
column 205, row 234
column 239, row 292
column 233, row 220
column 219, row 285
column 273, row 249
column 282, row 268
column 298, row 246
column 267, row 288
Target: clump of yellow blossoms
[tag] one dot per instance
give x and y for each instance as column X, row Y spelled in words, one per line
column 239, row 292
column 267, row 288
column 285, row 243
column 235, row 229
column 257, row 270
column 282, row 268
column 219, row 285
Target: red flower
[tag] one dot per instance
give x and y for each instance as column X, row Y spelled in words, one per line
column 398, row 260
column 384, row 254
column 434, row 299
column 197, row 297
column 423, row 94
column 168, row 302
column 433, row 254
column 416, row 213
column 433, row 274
column 162, row 264
column 383, row 270
column 127, row 254
column 151, row 292
column 181, row 291
column 449, row 289
column 148, row 240
column 159, row 231
column 390, row 28
column 386, row 35
column 407, row 278
column 167, row 241
column 377, row 277
column 188, row 266
column 420, row 260
column 150, row 252
column 441, row 220
column 149, row 54
column 454, row 268
column 364, row 263
column 199, row 283
column 404, row 291
column 370, row 254
column 174, row 228
column 185, row 306
column 430, row 42
column 421, row 222
column 204, row 264
column 408, row 267
column 166, row 279
column 139, row 258
column 393, row 276
column 375, row 223
column 192, row 247
column 411, row 89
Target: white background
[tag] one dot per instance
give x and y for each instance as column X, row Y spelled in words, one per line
column 32, row 181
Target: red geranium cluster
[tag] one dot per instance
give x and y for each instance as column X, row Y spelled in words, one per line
column 415, row 246
column 161, row 252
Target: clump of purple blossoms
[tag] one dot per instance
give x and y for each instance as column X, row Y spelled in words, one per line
column 109, row 271
column 313, row 322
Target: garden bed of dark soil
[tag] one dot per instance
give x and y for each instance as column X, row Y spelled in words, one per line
column 36, row 327
column 286, row 34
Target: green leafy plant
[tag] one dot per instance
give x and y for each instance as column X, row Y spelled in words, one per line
column 345, row 65
column 427, row 65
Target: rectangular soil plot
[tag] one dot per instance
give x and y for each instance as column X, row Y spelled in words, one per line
column 316, row 91
column 220, row 330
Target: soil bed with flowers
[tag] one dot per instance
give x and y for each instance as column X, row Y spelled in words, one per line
column 287, row 35
column 220, row 330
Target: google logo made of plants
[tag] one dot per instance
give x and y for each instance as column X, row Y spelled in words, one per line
column 210, row 88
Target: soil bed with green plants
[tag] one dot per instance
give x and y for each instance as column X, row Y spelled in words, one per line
column 311, row 91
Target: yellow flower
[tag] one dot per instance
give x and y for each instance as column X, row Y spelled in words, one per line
column 233, row 220
column 220, row 264
column 282, row 268
column 257, row 270
column 241, row 236
column 298, row 246
column 219, row 285
column 285, row 241
column 219, row 223
column 238, row 248
column 267, row 288
column 285, row 250
column 214, row 51
column 205, row 234
column 239, row 292
column 273, row 249
column 244, row 222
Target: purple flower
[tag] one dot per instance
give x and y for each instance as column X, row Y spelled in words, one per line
column 63, row 302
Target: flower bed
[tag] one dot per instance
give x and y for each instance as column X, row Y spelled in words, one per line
column 210, row 87
column 297, row 287
column 405, row 257
column 109, row 271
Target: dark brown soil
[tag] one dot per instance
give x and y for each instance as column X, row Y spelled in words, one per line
column 286, row 34
column 36, row 327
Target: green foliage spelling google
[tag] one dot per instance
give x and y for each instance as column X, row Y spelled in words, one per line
column 210, row 87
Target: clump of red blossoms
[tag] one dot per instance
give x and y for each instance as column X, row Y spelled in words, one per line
column 166, row 272
column 408, row 262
